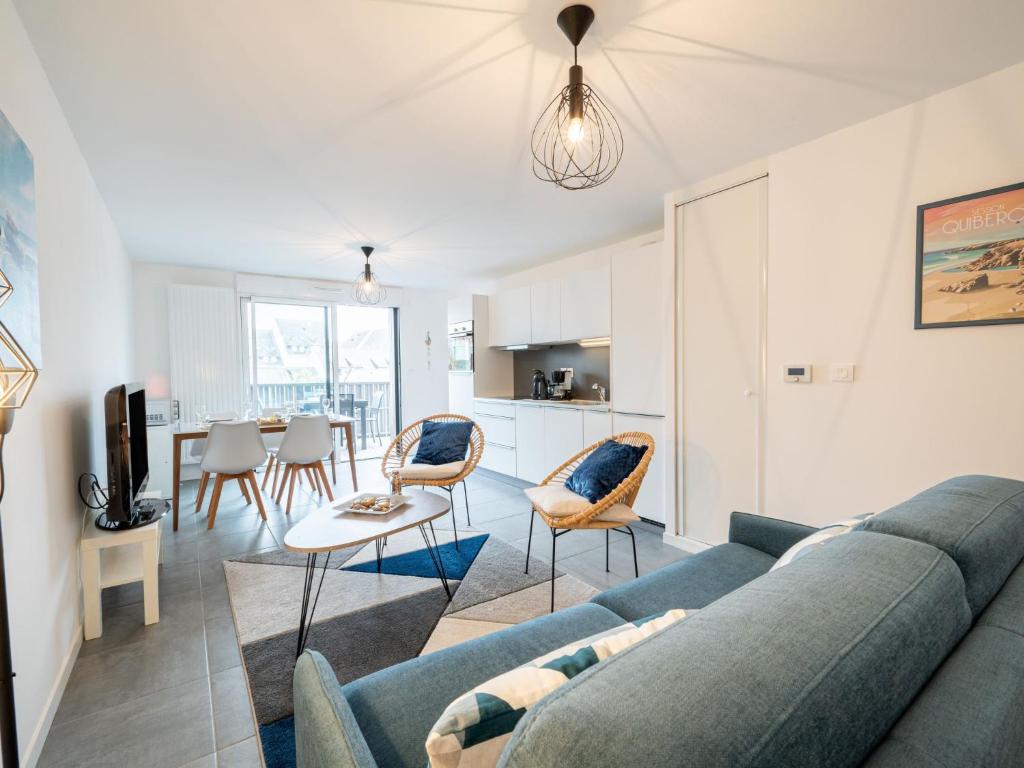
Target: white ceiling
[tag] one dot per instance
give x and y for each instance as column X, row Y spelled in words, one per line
column 278, row 135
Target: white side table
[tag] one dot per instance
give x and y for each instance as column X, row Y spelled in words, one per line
column 110, row 558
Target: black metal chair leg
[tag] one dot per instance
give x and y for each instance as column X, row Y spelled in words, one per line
column 554, row 538
column 636, row 567
column 465, row 495
column 607, row 535
column 529, row 541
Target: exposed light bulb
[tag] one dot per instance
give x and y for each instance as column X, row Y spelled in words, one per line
column 575, row 130
column 367, row 286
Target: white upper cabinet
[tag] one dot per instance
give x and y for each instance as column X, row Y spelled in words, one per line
column 509, row 314
column 545, row 312
column 586, row 304
column 641, row 328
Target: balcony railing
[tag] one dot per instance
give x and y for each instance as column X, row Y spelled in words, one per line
column 307, row 396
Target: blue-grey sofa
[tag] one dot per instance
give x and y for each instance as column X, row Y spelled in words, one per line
column 901, row 644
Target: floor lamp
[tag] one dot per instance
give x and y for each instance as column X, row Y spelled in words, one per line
column 17, row 375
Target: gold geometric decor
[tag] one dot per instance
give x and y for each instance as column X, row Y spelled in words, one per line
column 17, row 373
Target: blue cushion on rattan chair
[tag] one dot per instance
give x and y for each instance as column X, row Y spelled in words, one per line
column 602, row 471
column 443, row 442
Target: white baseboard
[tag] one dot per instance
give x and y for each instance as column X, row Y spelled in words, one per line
column 685, row 544
column 30, row 753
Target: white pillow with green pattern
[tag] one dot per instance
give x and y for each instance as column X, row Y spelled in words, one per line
column 821, row 537
column 474, row 729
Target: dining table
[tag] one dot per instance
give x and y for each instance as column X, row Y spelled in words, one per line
column 186, row 432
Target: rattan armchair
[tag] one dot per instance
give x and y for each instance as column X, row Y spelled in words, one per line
column 588, row 518
column 403, row 447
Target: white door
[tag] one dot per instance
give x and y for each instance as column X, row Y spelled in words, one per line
column 650, row 502
column 586, row 304
column 530, row 443
column 563, row 435
column 721, row 242
column 545, row 312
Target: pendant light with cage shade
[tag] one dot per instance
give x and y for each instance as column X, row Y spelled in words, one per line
column 367, row 290
column 577, row 142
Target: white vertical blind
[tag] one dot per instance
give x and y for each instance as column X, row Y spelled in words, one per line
column 206, row 362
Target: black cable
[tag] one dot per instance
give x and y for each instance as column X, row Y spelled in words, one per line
column 95, row 490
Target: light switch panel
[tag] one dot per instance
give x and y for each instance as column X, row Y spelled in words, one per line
column 797, row 373
column 842, row 372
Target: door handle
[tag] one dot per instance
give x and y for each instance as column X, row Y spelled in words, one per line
column 749, row 393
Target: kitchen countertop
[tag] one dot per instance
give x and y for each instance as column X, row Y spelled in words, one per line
column 586, row 405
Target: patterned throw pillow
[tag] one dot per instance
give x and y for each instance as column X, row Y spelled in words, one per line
column 474, row 729
column 819, row 538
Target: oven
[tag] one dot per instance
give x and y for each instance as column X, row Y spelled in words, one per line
column 460, row 347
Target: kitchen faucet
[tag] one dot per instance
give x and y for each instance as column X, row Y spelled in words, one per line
column 601, row 391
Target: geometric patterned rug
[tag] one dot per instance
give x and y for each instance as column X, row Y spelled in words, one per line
column 366, row 621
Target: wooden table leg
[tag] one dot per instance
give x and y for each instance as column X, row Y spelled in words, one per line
column 176, row 481
column 350, row 440
column 334, row 468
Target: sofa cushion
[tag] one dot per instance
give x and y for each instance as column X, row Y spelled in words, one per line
column 820, row 538
column 555, row 500
column 810, row 665
column 396, row 707
column 971, row 713
column 1007, row 609
column 693, row 582
column 976, row 520
column 476, row 726
column 768, row 534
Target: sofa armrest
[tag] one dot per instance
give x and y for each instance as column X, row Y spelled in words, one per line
column 326, row 732
column 767, row 534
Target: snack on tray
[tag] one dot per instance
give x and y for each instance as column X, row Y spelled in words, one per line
column 376, row 503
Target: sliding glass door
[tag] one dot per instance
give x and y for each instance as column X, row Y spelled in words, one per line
column 303, row 356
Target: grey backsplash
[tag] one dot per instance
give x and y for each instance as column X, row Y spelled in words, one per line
column 589, row 366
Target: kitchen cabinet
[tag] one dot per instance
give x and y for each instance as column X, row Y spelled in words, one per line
column 641, row 300
column 531, row 461
column 563, row 435
column 509, row 314
column 651, row 501
column 586, row 304
column 596, row 426
column 545, row 312
column 499, row 458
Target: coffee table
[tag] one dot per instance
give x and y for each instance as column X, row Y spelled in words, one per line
column 328, row 529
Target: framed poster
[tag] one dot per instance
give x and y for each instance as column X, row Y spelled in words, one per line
column 970, row 260
column 19, row 260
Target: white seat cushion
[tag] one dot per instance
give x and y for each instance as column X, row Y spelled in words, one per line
column 431, row 471
column 556, row 500
column 618, row 513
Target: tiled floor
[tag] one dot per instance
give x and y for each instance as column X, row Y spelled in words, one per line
column 173, row 695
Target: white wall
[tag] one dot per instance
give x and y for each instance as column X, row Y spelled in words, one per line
column 86, row 314
column 926, row 404
column 424, row 389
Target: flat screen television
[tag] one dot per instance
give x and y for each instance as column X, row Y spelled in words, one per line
column 124, row 409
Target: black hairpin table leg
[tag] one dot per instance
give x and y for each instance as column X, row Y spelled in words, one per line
column 308, row 604
column 435, row 556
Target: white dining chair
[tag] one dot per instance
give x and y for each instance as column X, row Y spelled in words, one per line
column 272, row 442
column 233, row 451
column 198, row 447
column 307, row 442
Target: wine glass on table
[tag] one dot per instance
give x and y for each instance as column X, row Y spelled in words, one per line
column 325, row 403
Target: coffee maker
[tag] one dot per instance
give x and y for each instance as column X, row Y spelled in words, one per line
column 540, row 385
column 560, row 387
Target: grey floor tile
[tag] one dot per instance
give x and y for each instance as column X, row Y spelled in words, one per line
column 107, row 679
column 244, row 754
column 226, row 545
column 232, row 714
column 211, row 572
column 167, row 729
column 511, row 528
column 206, row 761
column 222, row 645
column 124, row 625
column 216, row 604
column 572, row 543
column 174, row 578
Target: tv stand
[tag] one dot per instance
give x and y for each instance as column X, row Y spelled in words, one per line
column 144, row 512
